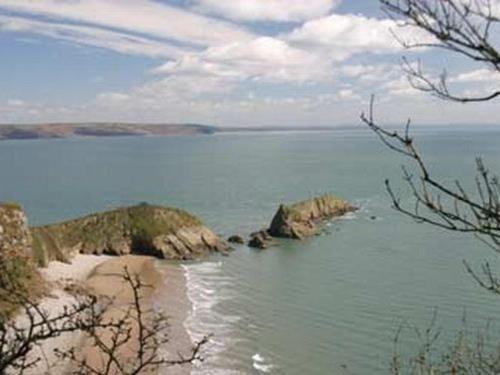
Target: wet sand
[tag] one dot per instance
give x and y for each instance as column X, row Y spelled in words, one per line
column 103, row 276
column 172, row 298
column 165, row 292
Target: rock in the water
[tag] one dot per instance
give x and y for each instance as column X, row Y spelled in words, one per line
column 261, row 240
column 302, row 219
column 236, row 239
column 163, row 232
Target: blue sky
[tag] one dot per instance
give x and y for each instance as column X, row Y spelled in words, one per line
column 225, row 62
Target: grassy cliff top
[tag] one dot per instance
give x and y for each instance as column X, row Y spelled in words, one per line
column 143, row 217
column 142, row 222
column 325, row 203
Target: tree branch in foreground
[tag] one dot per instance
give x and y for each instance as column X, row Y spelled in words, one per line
column 128, row 341
column 464, row 27
column 439, row 204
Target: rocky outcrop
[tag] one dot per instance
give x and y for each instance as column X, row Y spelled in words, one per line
column 163, row 232
column 17, row 271
column 15, row 237
column 237, row 239
column 261, row 240
column 303, row 219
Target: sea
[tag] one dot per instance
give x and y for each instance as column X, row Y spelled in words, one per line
column 332, row 304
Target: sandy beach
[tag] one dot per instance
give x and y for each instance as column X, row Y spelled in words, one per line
column 172, row 298
column 102, row 275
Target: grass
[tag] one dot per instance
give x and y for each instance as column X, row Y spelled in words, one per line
column 18, row 274
column 19, row 278
column 302, row 210
column 98, row 232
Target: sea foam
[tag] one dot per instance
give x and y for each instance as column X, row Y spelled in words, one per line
column 207, row 286
column 259, row 363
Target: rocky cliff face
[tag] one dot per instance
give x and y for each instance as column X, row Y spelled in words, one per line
column 15, row 238
column 302, row 219
column 163, row 232
column 17, row 271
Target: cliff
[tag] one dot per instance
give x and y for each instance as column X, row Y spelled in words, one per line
column 163, row 232
column 303, row 219
column 116, row 129
column 17, row 271
column 47, row 131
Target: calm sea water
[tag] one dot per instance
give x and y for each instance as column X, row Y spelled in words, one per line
column 328, row 305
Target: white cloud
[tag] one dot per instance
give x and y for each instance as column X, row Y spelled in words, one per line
column 173, row 90
column 478, row 75
column 401, row 87
column 20, row 111
column 263, row 58
column 15, row 103
column 182, row 87
column 112, row 98
column 369, row 73
column 268, row 10
column 84, row 35
column 348, row 94
column 342, row 35
column 136, row 16
column 220, row 72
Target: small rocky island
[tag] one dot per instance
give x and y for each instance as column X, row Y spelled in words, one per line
column 301, row 220
column 163, row 232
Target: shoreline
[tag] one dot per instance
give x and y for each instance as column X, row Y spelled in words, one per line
column 102, row 275
column 175, row 288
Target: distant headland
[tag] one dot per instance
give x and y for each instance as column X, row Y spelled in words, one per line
column 116, row 129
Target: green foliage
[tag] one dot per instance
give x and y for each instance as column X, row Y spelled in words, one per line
column 11, row 206
column 103, row 232
column 19, row 274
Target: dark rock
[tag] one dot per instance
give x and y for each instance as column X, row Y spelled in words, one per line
column 236, row 239
column 261, row 240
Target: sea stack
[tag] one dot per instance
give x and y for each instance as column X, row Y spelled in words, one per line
column 303, row 219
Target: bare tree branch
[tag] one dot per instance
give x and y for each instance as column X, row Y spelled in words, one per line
column 462, row 27
column 89, row 315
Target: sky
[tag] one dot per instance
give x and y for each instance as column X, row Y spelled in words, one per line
column 221, row 62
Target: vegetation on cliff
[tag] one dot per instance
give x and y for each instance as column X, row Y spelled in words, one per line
column 66, row 130
column 301, row 219
column 17, row 270
column 143, row 229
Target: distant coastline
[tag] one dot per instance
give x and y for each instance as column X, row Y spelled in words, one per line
column 114, row 129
